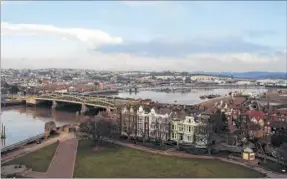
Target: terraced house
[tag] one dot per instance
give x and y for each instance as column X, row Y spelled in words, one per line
column 181, row 125
column 146, row 123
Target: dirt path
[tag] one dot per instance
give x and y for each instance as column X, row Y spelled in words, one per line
column 63, row 162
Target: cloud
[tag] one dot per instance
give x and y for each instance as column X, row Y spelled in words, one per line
column 112, row 53
column 236, row 62
column 259, row 33
column 91, row 37
column 166, row 47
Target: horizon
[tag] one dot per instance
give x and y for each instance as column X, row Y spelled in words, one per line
column 154, row 36
column 146, row 71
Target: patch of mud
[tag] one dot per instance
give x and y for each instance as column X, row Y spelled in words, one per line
column 98, row 149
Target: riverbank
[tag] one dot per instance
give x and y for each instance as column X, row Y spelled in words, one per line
column 23, row 122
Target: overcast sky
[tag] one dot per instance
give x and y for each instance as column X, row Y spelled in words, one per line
column 183, row 36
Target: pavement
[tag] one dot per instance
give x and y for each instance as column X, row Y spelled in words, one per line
column 28, row 149
column 63, row 162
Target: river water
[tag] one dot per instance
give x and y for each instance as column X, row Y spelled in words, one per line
column 183, row 98
column 23, row 122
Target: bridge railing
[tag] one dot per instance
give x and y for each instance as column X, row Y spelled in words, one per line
column 31, row 139
column 82, row 99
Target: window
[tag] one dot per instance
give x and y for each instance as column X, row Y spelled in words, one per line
column 172, row 126
column 189, row 138
column 189, row 129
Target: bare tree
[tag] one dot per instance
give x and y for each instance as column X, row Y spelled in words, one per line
column 145, row 130
column 130, row 125
column 155, row 129
column 163, row 131
column 97, row 128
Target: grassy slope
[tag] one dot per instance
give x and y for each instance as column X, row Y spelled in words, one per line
column 39, row 160
column 116, row 161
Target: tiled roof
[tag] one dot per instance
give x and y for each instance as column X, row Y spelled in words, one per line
column 255, row 114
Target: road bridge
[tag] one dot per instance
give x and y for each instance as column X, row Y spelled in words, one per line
column 91, row 100
column 86, row 102
column 82, row 100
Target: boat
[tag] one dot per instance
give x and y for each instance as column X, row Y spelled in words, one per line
column 211, row 96
column 202, row 97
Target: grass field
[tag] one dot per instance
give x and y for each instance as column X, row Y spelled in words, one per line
column 39, row 160
column 116, row 161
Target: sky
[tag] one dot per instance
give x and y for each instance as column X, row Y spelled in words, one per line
column 214, row 36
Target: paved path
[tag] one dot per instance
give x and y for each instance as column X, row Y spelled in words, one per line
column 185, row 155
column 63, row 162
column 28, row 149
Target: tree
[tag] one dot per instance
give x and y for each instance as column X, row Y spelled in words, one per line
column 144, row 131
column 155, row 130
column 129, row 128
column 210, row 138
column 163, row 132
column 143, row 134
column 14, row 89
column 187, row 79
column 97, row 128
column 278, row 139
column 282, row 152
column 219, row 122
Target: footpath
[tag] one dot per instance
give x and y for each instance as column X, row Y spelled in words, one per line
column 28, row 149
column 269, row 174
column 63, row 162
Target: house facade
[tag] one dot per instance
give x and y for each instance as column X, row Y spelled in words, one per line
column 146, row 123
column 154, row 124
column 191, row 130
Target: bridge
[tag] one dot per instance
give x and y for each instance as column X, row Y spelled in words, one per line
column 55, row 99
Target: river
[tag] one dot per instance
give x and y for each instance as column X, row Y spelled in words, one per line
column 191, row 97
column 23, row 122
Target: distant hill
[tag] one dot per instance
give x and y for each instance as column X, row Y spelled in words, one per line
column 250, row 75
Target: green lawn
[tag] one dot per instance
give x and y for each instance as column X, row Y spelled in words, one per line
column 116, row 161
column 39, row 160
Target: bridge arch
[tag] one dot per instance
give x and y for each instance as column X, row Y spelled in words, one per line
column 90, row 101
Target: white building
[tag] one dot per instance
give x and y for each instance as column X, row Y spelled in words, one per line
column 190, row 131
column 162, row 124
column 244, row 82
column 152, row 124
